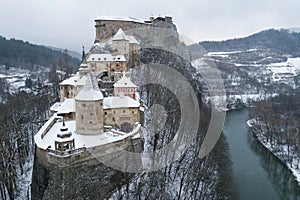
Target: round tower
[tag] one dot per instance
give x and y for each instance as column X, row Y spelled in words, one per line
column 89, row 108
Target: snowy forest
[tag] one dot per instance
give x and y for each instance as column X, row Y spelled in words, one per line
column 276, row 124
column 25, row 109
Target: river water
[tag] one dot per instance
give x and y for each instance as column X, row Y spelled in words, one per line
column 257, row 173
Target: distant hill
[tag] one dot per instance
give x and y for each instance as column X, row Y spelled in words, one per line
column 17, row 53
column 295, row 29
column 284, row 41
column 73, row 54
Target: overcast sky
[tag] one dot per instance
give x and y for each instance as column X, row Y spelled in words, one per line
column 70, row 23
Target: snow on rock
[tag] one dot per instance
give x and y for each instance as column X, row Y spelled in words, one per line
column 119, row 18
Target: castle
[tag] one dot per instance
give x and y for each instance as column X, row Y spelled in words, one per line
column 99, row 106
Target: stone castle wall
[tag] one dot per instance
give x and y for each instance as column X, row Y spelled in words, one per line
column 106, row 29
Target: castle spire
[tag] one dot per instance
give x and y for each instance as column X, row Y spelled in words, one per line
column 83, row 54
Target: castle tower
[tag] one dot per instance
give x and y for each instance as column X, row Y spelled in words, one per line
column 89, row 108
column 120, row 44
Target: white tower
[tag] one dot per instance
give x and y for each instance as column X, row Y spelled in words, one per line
column 89, row 108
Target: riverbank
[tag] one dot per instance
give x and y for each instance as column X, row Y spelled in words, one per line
column 292, row 164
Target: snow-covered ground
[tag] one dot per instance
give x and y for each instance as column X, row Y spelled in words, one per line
column 16, row 77
column 24, row 179
column 280, row 71
column 285, row 70
column 227, row 53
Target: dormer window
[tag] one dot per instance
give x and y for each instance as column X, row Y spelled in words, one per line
column 93, row 58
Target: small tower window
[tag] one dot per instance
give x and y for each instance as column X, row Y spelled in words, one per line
column 81, row 117
column 105, row 113
column 124, row 111
column 91, row 114
column 91, row 122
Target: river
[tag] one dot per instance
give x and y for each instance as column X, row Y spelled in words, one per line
column 257, row 173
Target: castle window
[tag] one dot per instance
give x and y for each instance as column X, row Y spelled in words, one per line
column 114, row 112
column 132, row 112
column 91, row 114
column 105, row 113
column 91, row 122
column 83, row 105
column 99, row 58
column 93, row 58
column 101, row 103
column 104, row 58
column 81, row 117
column 124, row 111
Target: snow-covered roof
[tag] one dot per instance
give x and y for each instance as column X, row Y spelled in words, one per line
column 64, row 134
column 68, row 106
column 124, row 82
column 48, row 141
column 132, row 40
column 105, row 58
column 120, row 35
column 119, row 18
column 83, row 65
column 90, row 90
column 120, row 102
column 71, row 81
column 81, row 81
column 55, row 106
